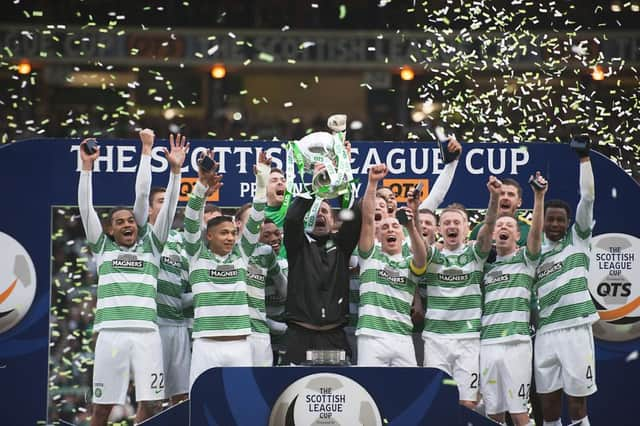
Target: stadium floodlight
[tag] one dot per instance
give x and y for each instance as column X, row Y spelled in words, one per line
column 218, row 71
column 24, row 67
column 406, row 73
column 597, row 73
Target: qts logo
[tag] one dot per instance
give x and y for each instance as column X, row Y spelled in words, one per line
column 400, row 187
column 186, row 186
column 17, row 282
column 614, row 283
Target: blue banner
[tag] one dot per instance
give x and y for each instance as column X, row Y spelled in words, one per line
column 41, row 174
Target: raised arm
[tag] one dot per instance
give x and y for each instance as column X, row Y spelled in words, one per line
column 377, row 172
column 584, row 211
column 443, row 182
column 251, row 231
column 192, row 216
column 486, row 232
column 143, row 178
column 534, row 238
column 294, row 223
column 176, row 156
column 418, row 244
column 90, row 219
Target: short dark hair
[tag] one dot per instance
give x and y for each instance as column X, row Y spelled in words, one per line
column 241, row 210
column 267, row 220
column 276, row 170
column 514, row 183
column 218, row 220
column 211, row 208
column 558, row 204
column 115, row 210
column 154, row 191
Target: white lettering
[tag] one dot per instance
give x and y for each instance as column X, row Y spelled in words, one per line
column 492, row 167
column 399, row 166
column 243, row 151
column 473, row 152
column 438, row 164
column 107, row 159
column 275, row 153
column 372, row 158
column 515, row 153
column 246, row 187
column 76, row 148
column 156, row 155
column 222, row 158
column 413, row 160
column 123, row 158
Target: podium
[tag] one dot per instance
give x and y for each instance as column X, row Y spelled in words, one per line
column 346, row 396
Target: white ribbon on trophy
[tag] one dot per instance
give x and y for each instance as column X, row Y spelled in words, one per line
column 327, row 149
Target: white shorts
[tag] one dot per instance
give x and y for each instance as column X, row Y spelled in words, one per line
column 118, row 354
column 459, row 358
column 565, row 359
column 210, row 353
column 387, row 351
column 176, row 353
column 505, row 376
column 261, row 352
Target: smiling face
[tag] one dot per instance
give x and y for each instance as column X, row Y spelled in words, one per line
column 509, row 200
column 222, row 237
column 428, row 226
column 324, row 220
column 390, row 235
column 556, row 223
column 454, row 228
column 271, row 235
column 123, row 228
column 390, row 199
column 275, row 188
column 506, row 235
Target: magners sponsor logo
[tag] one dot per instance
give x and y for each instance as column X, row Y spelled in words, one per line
column 256, row 277
column 394, row 278
column 547, row 269
column 214, row 273
column 496, row 280
column 127, row 261
column 457, row 278
column 171, row 260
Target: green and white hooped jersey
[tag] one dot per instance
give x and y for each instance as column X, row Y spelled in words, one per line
column 506, row 308
column 219, row 283
column 275, row 303
column 561, row 282
column 451, row 286
column 387, row 286
column 127, row 283
column 263, row 263
column 173, row 279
